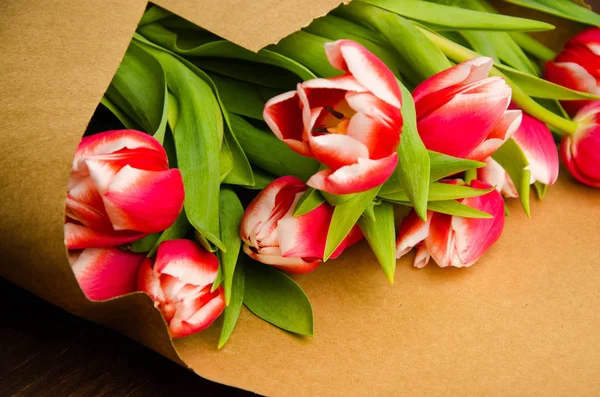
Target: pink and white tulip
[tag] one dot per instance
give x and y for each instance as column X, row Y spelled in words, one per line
column 105, row 273
column 120, row 189
column 350, row 123
column 452, row 240
column 537, row 143
column 464, row 113
column 274, row 236
column 577, row 67
column 581, row 151
column 179, row 282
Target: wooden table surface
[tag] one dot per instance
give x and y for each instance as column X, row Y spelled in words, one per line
column 47, row 352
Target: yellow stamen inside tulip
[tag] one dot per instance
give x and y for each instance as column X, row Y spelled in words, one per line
column 341, row 128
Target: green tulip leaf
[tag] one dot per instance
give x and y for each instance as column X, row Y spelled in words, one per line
column 540, row 189
column 231, row 212
column 439, row 192
column 261, row 179
column 446, row 17
column 153, row 14
column 160, row 35
column 453, row 207
column 381, row 236
column 345, row 217
column 139, row 90
column 277, row 299
column 145, row 244
column 310, row 200
column 179, row 229
column 442, row 165
column 233, row 309
column 413, row 169
column 269, row 153
column 119, row 114
column 240, row 172
column 307, row 49
column 562, row 8
column 242, row 98
column 411, row 45
column 513, row 160
column 197, row 137
column 540, row 88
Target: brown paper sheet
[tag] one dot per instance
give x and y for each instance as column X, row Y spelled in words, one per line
column 524, row 320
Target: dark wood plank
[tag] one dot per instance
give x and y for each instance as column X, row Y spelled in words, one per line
column 47, row 352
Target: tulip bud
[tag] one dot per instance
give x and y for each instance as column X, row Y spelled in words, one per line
column 274, row 236
column 453, row 240
column 180, row 283
column 537, row 143
column 464, row 113
column 350, row 123
column 576, row 67
column 120, row 189
column 105, row 273
column 581, row 151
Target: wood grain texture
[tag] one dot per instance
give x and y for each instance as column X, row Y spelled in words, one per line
column 47, row 352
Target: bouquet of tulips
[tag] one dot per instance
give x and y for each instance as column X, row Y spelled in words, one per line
column 211, row 173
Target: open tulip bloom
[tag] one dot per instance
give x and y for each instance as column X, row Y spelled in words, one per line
column 238, row 179
column 350, row 123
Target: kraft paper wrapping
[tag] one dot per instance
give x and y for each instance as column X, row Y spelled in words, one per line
column 524, row 320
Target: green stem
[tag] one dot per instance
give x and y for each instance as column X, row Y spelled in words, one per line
column 470, row 175
column 532, row 46
column 458, row 53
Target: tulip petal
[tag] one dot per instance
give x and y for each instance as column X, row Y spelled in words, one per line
column 304, row 236
column 474, row 236
column 575, row 77
column 366, row 68
column 413, row 231
column 113, row 141
column 494, row 175
column 337, row 150
column 421, row 257
column 267, row 208
column 536, row 141
column 581, row 168
column 316, row 90
column 362, row 176
column 147, row 201
column 206, row 309
column 107, row 273
column 186, row 261
column 505, row 127
column 440, row 241
column 283, row 115
column 149, row 282
column 377, row 125
column 80, row 237
column 464, row 73
column 84, row 204
column 462, row 124
column 272, row 256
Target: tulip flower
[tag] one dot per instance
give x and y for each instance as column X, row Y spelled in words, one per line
column 350, row 123
column 464, row 113
column 537, row 143
column 577, row 67
column 581, row 151
column 179, row 282
column 274, row 236
column 120, row 189
column 453, row 240
column 105, row 273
